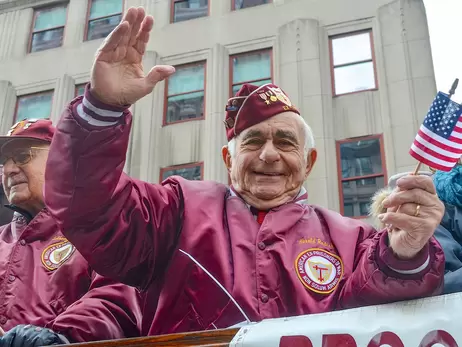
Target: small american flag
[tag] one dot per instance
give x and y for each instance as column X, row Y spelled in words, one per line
column 438, row 143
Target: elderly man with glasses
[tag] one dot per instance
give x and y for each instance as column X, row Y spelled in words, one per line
column 49, row 295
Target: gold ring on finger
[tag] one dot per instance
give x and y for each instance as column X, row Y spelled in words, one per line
column 417, row 211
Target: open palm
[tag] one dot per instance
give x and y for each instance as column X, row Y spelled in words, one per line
column 117, row 76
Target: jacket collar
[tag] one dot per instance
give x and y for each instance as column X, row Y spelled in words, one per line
column 28, row 217
column 301, row 198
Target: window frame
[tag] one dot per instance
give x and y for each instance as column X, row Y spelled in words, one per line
column 172, row 11
column 233, row 5
column 32, row 32
column 166, row 96
column 87, row 19
column 243, row 54
column 33, row 94
column 340, row 180
column 333, row 67
column 182, row 166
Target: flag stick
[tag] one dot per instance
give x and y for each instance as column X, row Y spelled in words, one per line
column 453, row 87
column 417, row 168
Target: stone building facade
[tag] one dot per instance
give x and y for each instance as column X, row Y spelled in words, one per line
column 360, row 71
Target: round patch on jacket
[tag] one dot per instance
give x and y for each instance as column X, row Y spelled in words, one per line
column 57, row 253
column 319, row 270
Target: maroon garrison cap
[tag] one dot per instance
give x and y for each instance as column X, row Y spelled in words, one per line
column 252, row 105
column 32, row 129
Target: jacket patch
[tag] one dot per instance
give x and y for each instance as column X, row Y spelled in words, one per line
column 319, row 270
column 57, row 253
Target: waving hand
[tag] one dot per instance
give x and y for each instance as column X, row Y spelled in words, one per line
column 117, row 76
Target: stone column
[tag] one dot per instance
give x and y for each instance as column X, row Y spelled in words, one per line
column 146, row 127
column 301, row 73
column 75, row 23
column 7, row 106
column 217, row 95
column 408, row 74
column 63, row 93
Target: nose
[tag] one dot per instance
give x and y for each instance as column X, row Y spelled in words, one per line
column 10, row 168
column 269, row 153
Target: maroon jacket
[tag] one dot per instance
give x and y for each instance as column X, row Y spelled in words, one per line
column 44, row 281
column 303, row 259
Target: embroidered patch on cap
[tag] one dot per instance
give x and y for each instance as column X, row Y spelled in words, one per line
column 319, row 270
column 57, row 253
column 21, row 125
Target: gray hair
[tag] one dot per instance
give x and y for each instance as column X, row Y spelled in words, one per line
column 309, row 140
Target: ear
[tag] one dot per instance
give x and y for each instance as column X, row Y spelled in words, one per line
column 310, row 160
column 226, row 157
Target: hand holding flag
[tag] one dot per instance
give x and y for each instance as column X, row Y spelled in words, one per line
column 413, row 209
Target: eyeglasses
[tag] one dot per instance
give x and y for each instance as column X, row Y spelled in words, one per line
column 21, row 156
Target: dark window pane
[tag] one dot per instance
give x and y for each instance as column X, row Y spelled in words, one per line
column 47, row 39
column 50, row 18
column 100, row 28
column 251, row 67
column 354, row 78
column 257, row 83
column 185, row 106
column 364, row 208
column 361, row 158
column 80, row 90
column 190, row 173
column 187, row 79
column 34, row 106
column 189, row 9
column 238, row 4
column 357, row 196
column 102, row 8
column 348, row 210
column 367, row 182
column 350, row 49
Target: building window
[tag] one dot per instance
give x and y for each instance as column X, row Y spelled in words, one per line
column 188, row 9
column 251, row 67
column 193, row 171
column 185, row 94
column 240, row 4
column 48, row 28
column 361, row 166
column 353, row 63
column 79, row 89
column 34, row 106
column 103, row 17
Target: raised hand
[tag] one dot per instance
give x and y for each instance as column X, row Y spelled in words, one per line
column 117, row 76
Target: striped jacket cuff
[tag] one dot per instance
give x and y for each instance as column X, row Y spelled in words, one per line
column 414, row 266
column 97, row 113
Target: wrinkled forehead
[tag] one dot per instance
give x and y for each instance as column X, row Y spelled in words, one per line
column 21, row 144
column 284, row 125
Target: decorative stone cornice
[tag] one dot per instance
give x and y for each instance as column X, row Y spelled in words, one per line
column 8, row 5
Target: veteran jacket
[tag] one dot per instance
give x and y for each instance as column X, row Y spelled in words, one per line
column 46, row 282
column 161, row 237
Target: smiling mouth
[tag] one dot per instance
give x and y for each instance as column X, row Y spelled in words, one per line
column 270, row 174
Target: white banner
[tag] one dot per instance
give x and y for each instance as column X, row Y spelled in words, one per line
column 430, row 322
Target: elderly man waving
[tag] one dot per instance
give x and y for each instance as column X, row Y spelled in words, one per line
column 189, row 243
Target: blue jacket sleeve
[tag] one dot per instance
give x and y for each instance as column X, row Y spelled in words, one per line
column 449, row 235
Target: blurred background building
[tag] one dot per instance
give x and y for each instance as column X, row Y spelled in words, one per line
column 360, row 71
